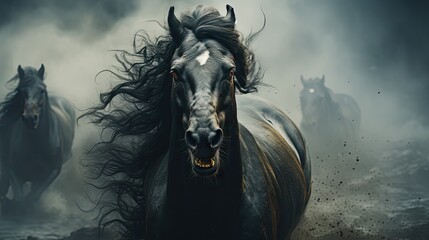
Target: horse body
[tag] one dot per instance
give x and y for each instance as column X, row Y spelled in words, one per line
column 34, row 153
column 273, row 186
column 207, row 164
column 34, row 150
column 328, row 116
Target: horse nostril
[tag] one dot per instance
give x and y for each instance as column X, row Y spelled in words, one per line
column 191, row 139
column 215, row 138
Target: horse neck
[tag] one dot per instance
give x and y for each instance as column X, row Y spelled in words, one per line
column 233, row 163
column 327, row 108
column 330, row 105
column 43, row 130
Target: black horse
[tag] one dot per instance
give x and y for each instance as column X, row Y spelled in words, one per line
column 36, row 135
column 187, row 158
column 328, row 116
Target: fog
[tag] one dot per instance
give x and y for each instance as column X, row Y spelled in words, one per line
column 361, row 48
column 376, row 51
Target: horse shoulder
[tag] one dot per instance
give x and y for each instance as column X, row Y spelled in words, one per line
column 349, row 107
column 258, row 206
column 271, row 161
column 63, row 123
column 62, row 107
column 346, row 100
column 273, row 128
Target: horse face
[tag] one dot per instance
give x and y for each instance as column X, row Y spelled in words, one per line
column 33, row 92
column 313, row 93
column 203, row 90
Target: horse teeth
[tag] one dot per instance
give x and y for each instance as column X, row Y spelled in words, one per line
column 200, row 163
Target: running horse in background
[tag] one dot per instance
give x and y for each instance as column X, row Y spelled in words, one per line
column 36, row 136
column 328, row 117
column 188, row 158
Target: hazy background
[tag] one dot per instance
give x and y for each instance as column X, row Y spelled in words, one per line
column 376, row 51
column 362, row 47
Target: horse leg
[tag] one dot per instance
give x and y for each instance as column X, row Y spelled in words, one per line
column 37, row 188
column 4, row 185
column 18, row 194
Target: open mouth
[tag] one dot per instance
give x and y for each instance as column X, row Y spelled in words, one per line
column 205, row 163
column 204, row 166
column 31, row 123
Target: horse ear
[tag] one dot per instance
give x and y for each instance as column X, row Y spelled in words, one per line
column 177, row 30
column 323, row 79
column 230, row 15
column 303, row 80
column 21, row 72
column 41, row 71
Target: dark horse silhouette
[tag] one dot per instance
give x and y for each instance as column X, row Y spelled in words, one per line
column 36, row 135
column 187, row 158
column 328, row 116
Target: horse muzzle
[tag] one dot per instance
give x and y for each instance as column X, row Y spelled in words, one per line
column 32, row 120
column 203, row 145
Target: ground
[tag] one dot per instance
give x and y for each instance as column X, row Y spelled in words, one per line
column 364, row 190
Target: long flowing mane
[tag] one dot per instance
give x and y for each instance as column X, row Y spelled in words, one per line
column 138, row 126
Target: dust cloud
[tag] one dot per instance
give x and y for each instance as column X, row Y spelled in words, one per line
column 376, row 51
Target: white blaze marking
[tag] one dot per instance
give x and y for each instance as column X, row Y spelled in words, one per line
column 202, row 59
column 311, row 90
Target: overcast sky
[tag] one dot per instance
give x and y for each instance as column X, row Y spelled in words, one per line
column 362, row 47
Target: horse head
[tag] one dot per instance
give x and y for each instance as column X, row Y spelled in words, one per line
column 33, row 94
column 203, row 93
column 312, row 96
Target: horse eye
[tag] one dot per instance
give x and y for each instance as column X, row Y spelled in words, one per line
column 174, row 75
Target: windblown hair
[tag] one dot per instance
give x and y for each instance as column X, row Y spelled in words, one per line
column 138, row 125
column 10, row 107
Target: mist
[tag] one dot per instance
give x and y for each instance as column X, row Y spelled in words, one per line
column 361, row 47
column 375, row 51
